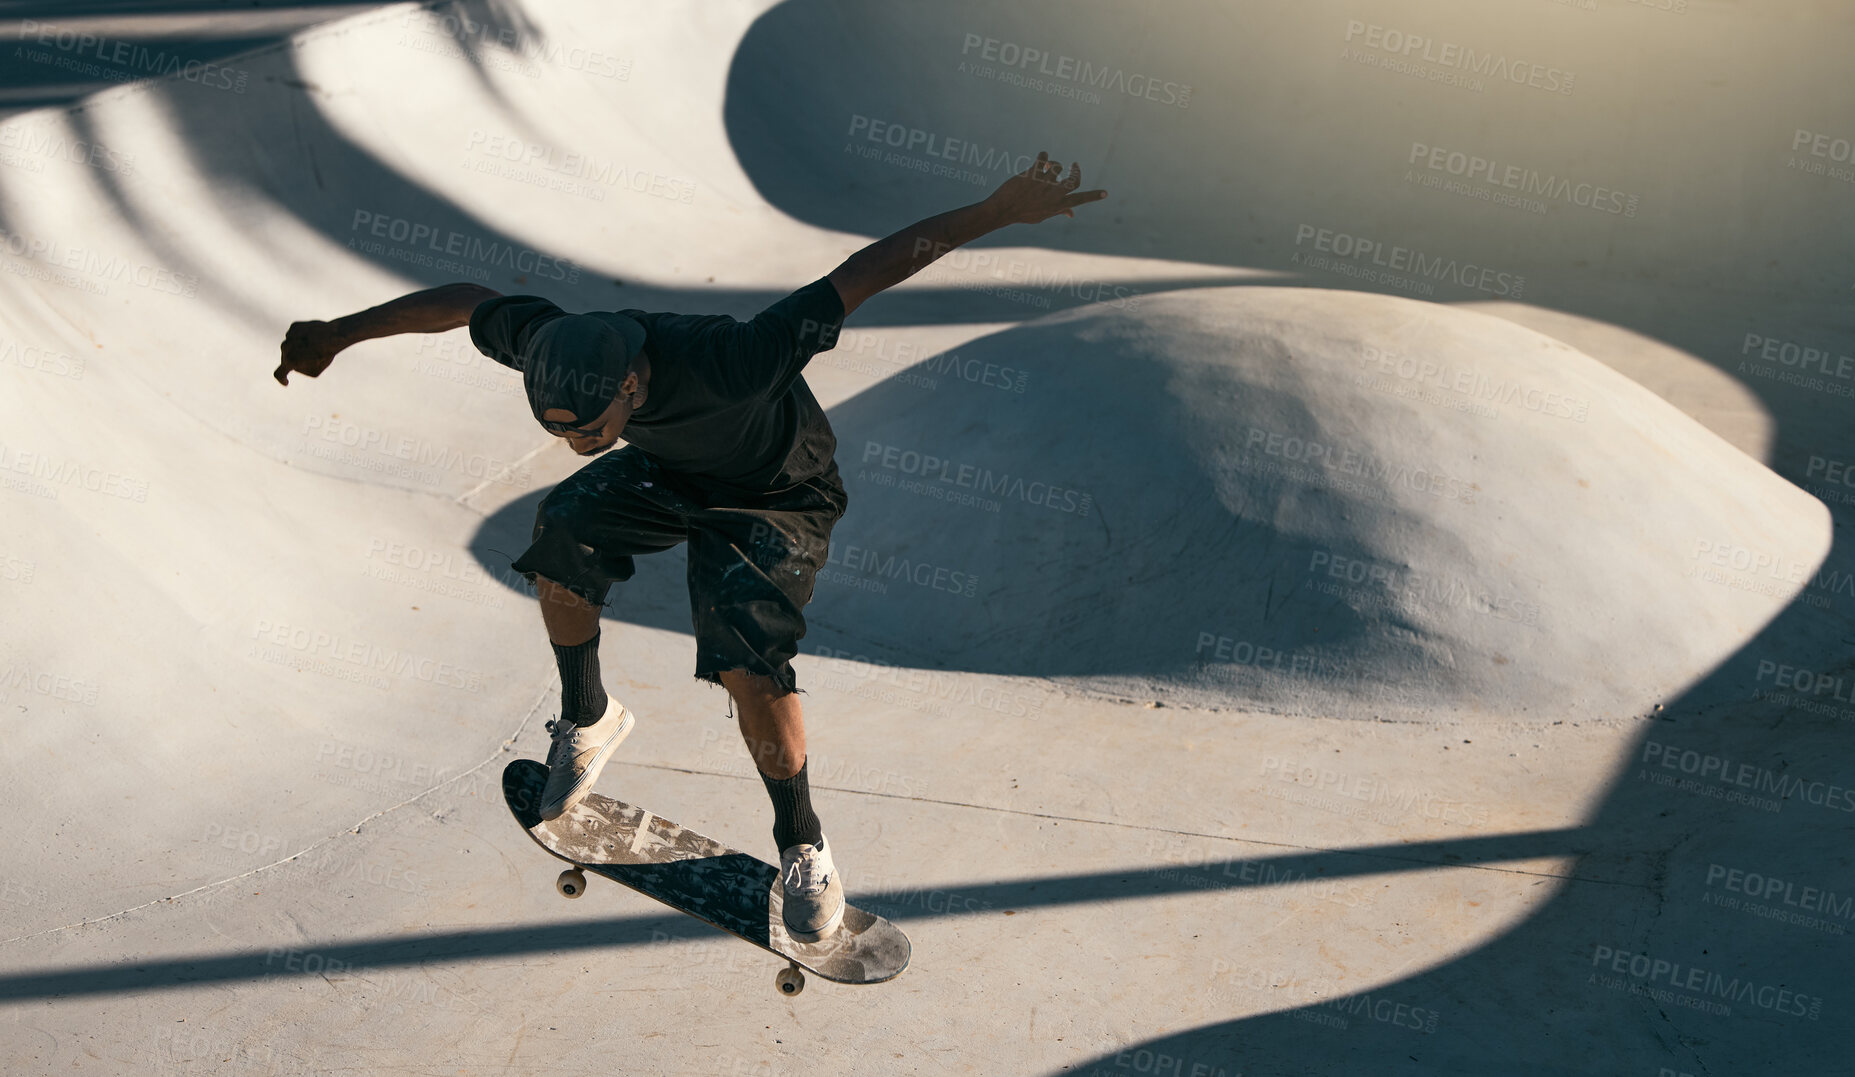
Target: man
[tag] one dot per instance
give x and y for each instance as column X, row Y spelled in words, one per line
column 728, row 451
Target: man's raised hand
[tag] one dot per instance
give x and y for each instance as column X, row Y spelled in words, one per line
column 308, row 349
column 1041, row 192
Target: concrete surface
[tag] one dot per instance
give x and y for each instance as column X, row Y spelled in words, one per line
column 1316, row 502
column 262, row 660
column 63, row 50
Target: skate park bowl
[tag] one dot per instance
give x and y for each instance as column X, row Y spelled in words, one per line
column 1362, row 598
column 1301, row 501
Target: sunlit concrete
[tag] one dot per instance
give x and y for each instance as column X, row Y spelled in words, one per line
column 264, row 662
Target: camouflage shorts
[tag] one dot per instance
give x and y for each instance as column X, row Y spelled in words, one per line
column 752, row 558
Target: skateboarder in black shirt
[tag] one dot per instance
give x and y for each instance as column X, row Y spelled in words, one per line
column 727, row 450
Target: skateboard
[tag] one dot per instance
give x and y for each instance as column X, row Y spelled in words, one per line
column 699, row 876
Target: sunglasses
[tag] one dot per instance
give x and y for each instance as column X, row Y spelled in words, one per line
column 555, row 426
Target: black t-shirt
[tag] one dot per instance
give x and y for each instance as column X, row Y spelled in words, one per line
column 725, row 405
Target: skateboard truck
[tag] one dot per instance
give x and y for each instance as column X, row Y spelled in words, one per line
column 790, row 980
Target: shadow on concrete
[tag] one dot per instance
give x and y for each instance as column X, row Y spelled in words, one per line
column 1539, row 999
column 70, row 49
column 1547, row 996
column 359, row 956
column 1532, row 1000
column 1150, row 553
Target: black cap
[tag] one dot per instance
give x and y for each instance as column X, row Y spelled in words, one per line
column 578, row 361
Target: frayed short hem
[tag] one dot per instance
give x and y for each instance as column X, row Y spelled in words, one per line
column 600, row 599
column 790, row 686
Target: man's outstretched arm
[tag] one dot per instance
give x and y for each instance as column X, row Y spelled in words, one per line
column 1039, row 192
column 309, row 347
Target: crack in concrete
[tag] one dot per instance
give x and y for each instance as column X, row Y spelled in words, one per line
column 464, row 498
column 354, row 828
column 1166, row 830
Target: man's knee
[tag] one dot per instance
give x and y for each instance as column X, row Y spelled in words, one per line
column 555, row 594
column 756, row 686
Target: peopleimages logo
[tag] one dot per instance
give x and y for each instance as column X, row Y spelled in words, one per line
column 415, row 453
column 932, row 144
column 1769, row 887
column 927, row 467
column 88, row 262
column 955, row 263
column 30, row 357
column 1405, row 48
column 1325, row 779
column 1376, row 472
column 1526, row 180
column 1806, row 682
column 1393, row 257
column 1405, row 585
column 131, row 60
column 1799, row 356
column 1651, row 973
column 47, row 683
column 1010, row 54
column 68, row 473
column 422, row 238
column 1721, row 769
column 890, row 566
column 315, row 643
column 569, row 171
column 50, row 144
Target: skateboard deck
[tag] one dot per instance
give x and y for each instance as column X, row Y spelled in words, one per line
column 697, row 875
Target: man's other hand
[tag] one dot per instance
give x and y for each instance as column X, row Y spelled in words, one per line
column 1040, row 192
column 308, row 349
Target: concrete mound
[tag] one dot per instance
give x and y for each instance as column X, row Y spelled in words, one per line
column 1316, row 502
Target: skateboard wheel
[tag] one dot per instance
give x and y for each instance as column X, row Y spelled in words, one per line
column 572, row 883
column 790, row 980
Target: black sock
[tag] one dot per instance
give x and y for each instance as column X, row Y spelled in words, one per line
column 793, row 819
column 582, row 696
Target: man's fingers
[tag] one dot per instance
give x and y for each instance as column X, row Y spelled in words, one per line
column 1047, row 171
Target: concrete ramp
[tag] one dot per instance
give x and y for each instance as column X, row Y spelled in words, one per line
column 1215, row 673
column 1327, row 503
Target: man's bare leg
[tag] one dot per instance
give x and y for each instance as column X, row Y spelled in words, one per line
column 771, row 723
column 570, row 619
column 774, row 728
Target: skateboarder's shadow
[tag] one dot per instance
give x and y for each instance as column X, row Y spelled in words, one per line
column 994, row 528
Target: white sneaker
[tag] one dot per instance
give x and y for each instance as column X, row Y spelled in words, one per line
column 814, row 895
column 578, row 755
